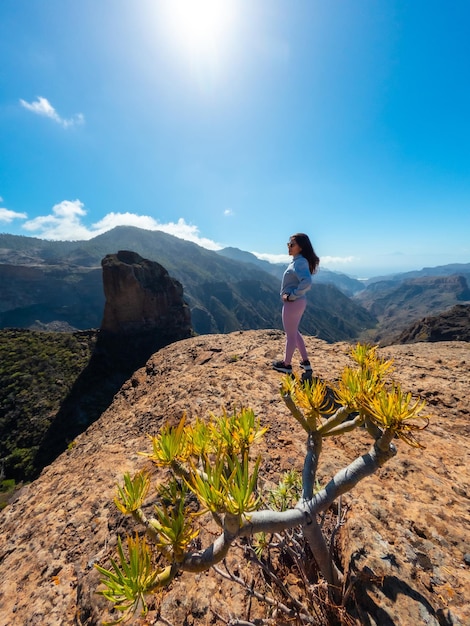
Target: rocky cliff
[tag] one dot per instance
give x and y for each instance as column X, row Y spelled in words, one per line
column 452, row 325
column 398, row 306
column 53, row 386
column 404, row 540
column 142, row 297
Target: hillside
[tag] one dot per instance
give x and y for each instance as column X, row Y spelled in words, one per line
column 53, row 385
column 452, row 325
column 49, row 281
column 38, row 372
column 405, row 535
column 397, row 305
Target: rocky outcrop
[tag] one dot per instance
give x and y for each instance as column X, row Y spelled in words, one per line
column 452, row 325
column 141, row 296
column 397, row 306
column 144, row 312
column 404, row 540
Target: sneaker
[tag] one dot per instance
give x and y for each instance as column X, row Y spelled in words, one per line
column 280, row 366
column 305, row 365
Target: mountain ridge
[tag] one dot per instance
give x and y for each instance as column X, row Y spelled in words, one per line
column 226, row 290
column 224, row 295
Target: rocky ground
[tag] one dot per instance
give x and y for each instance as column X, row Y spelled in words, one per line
column 405, row 542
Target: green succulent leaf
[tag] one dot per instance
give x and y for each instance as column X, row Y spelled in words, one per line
column 132, row 577
column 288, row 491
column 132, row 493
column 174, row 522
column 207, row 484
column 307, row 400
column 237, row 432
column 241, row 485
column 397, row 411
column 171, row 445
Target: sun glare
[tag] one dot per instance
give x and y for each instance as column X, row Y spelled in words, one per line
column 200, row 27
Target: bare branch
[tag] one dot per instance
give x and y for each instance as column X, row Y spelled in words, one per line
column 309, row 472
column 335, row 420
column 295, row 411
column 320, row 550
column 305, row 618
column 203, row 560
column 347, row 478
column 344, row 427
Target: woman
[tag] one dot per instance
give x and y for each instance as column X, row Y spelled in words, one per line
column 296, row 281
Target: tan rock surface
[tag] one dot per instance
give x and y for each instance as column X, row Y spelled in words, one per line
column 406, row 532
column 141, row 295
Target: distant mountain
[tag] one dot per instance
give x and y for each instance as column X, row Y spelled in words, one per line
column 349, row 286
column 247, row 257
column 462, row 269
column 48, row 281
column 399, row 303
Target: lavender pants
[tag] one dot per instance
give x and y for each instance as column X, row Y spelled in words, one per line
column 291, row 315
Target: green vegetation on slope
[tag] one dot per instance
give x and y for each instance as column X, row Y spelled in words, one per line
column 37, row 372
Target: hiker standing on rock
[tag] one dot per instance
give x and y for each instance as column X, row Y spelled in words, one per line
column 296, row 281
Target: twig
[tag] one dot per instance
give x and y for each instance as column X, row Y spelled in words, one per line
column 233, row 621
column 296, row 557
column 305, row 618
column 250, row 596
column 254, row 559
column 300, row 565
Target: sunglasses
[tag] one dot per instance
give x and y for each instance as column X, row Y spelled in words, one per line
column 291, row 244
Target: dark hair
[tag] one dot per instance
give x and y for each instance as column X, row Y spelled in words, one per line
column 307, row 251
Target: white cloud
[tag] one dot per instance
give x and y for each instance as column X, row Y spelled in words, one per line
column 8, row 216
column 338, row 260
column 228, row 212
column 43, row 107
column 189, row 232
column 272, row 258
column 324, row 261
column 65, row 224
column 111, row 220
column 180, row 229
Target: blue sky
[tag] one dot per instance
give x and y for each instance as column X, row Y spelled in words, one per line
column 240, row 123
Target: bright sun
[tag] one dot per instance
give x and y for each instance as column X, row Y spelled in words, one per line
column 200, row 27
